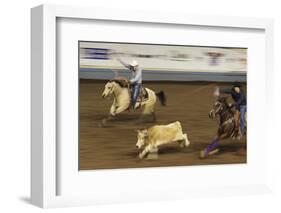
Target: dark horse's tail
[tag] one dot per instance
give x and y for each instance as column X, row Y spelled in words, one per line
column 162, row 97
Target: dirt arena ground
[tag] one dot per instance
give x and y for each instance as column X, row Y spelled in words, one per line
column 114, row 146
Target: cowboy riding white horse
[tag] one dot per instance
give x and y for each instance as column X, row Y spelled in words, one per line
column 122, row 99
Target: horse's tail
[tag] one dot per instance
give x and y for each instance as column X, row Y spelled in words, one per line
column 162, row 97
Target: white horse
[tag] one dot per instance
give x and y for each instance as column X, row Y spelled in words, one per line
column 122, row 99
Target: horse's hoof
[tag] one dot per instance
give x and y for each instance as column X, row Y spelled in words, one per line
column 103, row 123
column 214, row 152
column 202, row 154
column 182, row 145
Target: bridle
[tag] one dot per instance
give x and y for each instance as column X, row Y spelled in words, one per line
column 218, row 108
column 110, row 91
column 222, row 113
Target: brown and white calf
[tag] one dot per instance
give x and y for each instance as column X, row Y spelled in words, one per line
column 158, row 135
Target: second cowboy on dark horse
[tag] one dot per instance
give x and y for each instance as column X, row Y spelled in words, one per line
column 240, row 105
column 135, row 81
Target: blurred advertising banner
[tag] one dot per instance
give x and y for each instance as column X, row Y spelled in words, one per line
column 163, row 57
column 98, row 60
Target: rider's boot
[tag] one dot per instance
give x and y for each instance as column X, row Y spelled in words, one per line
column 131, row 107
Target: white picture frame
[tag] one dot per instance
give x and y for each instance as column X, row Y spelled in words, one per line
column 44, row 155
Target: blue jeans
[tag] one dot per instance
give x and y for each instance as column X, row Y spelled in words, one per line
column 135, row 93
column 243, row 110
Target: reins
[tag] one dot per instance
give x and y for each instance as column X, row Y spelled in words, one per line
column 229, row 120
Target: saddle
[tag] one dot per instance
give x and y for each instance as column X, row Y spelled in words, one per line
column 123, row 82
column 143, row 96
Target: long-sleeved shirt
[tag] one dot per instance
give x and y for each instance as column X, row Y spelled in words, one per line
column 136, row 74
column 239, row 98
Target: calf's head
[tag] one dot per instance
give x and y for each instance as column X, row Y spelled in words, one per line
column 142, row 137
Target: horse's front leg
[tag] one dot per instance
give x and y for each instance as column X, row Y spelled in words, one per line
column 211, row 148
column 111, row 115
column 112, row 111
column 105, row 120
column 117, row 109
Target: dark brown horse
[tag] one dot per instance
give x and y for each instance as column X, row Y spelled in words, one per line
column 227, row 126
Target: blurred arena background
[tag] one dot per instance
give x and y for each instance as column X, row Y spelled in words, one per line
column 164, row 62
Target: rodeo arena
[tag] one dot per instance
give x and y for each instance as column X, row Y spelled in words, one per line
column 148, row 105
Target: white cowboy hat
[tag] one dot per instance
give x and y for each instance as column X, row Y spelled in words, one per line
column 134, row 63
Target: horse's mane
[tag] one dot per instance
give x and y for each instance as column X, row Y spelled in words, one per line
column 121, row 83
column 223, row 100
